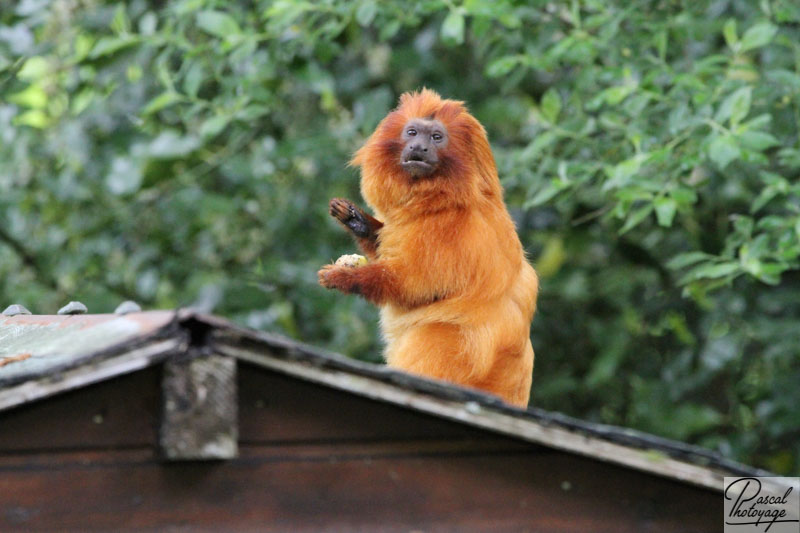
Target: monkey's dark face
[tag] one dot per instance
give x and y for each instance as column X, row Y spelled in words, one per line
column 423, row 139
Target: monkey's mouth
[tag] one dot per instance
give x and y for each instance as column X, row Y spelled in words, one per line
column 416, row 166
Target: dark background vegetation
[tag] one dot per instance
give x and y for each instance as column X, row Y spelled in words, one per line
column 184, row 152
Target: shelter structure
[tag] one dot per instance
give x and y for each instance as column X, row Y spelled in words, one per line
column 174, row 419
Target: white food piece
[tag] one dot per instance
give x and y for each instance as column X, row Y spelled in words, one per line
column 351, row 260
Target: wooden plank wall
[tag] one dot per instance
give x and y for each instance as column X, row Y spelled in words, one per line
column 311, row 459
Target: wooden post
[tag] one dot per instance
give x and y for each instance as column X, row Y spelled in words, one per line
column 199, row 419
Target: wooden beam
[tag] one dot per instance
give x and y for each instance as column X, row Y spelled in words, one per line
column 199, row 419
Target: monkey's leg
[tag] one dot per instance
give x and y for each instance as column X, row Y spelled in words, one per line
column 447, row 352
column 437, row 350
column 363, row 227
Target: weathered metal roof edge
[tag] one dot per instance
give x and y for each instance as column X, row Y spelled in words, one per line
column 129, row 355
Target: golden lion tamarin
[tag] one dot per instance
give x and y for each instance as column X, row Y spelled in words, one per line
column 446, row 267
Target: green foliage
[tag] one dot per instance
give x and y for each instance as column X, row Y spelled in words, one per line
column 184, row 152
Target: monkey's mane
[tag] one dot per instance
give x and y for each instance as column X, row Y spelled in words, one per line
column 466, row 173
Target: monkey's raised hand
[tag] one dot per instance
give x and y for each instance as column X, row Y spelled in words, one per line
column 363, row 227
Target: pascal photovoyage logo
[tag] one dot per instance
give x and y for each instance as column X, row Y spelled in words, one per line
column 762, row 504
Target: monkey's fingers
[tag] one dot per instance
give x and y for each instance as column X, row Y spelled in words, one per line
column 324, row 276
column 350, row 216
column 340, row 209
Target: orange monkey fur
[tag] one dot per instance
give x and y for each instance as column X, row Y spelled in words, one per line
column 447, row 269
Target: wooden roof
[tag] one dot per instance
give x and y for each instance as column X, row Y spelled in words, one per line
column 43, row 355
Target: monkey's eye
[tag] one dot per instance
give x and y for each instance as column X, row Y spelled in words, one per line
column 411, row 132
column 437, row 137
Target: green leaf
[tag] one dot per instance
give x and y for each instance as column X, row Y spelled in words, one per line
column 689, row 258
column 125, row 176
column 552, row 257
column 743, row 225
column 366, row 12
column 776, row 185
column 551, row 105
column 35, row 118
column 111, row 45
column 33, row 96
column 81, row 101
column 162, row 101
column 729, row 32
column 758, row 35
column 636, row 218
column 34, row 68
column 120, row 23
column 723, row 149
column 740, row 105
column 83, row 46
column 252, row 112
column 545, row 194
column 758, row 123
column 605, row 366
column 194, row 78
column 503, row 65
column 214, row 125
column 184, row 7
column 615, row 95
column 148, row 23
column 758, row 140
column 283, row 13
column 661, row 42
column 134, row 73
column 784, row 77
column 218, row 23
column 620, row 174
column 453, row 28
column 711, row 271
column 684, row 196
column 542, row 141
column 170, row 144
column 770, row 273
column 509, row 20
column 665, row 210
column 390, row 30
column 775, row 180
column 694, row 419
column 751, row 259
column 735, row 107
column 763, row 198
